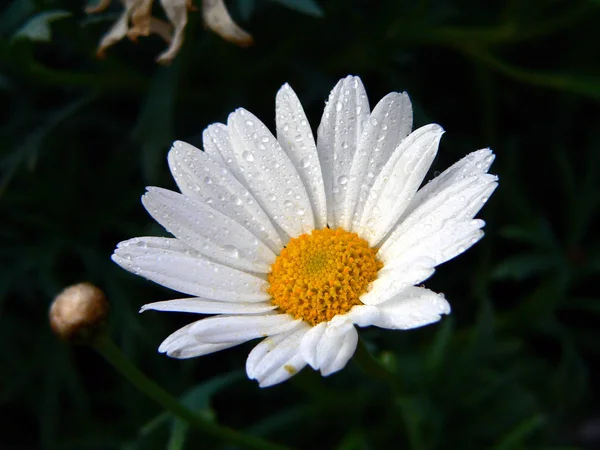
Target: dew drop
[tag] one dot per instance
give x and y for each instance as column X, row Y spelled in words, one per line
column 338, row 106
column 231, row 251
column 248, row 156
column 343, row 180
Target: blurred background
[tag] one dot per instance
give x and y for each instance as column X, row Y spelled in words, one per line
column 514, row 366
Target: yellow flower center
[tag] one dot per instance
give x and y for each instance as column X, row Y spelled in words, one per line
column 322, row 274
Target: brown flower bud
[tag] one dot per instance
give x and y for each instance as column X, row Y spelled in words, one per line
column 78, row 314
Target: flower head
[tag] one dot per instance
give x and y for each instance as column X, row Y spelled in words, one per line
column 298, row 242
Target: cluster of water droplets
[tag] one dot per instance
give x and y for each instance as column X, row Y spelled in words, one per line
column 203, row 179
column 269, row 173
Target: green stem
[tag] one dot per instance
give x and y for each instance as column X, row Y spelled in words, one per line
column 368, row 364
column 106, row 347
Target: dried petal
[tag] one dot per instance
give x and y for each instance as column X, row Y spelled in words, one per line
column 217, row 18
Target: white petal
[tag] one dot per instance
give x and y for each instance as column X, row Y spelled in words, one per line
column 336, row 346
column 454, row 238
column 242, row 328
column 217, row 145
column 363, row 315
column 455, row 204
column 475, row 163
column 308, row 347
column 182, row 345
column 291, row 368
column 297, row 140
column 172, row 264
column 397, row 183
column 329, row 345
column 200, row 177
column 344, row 353
column 389, row 123
column 270, row 175
column 412, row 308
column 202, row 306
column 276, row 358
column 208, row 231
column 341, row 127
column 394, row 280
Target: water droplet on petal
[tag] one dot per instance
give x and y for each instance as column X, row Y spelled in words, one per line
column 248, row 156
column 231, row 251
column 343, row 180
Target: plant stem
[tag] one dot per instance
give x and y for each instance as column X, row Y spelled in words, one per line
column 106, row 347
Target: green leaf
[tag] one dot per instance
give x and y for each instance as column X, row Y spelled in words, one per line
column 198, row 399
column 310, row 7
column 179, row 431
column 523, row 266
column 246, row 8
column 437, row 352
column 37, row 28
column 16, row 13
column 154, row 128
column 516, row 438
column 28, row 150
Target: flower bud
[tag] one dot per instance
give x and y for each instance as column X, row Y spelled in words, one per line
column 78, row 314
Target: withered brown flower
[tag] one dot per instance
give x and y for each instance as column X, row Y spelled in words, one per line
column 137, row 20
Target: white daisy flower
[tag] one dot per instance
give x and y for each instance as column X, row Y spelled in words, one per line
column 298, row 242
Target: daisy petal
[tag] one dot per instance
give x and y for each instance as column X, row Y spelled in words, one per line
column 269, row 174
column 200, row 177
column 412, row 308
column 389, row 123
column 217, row 145
column 242, row 328
column 329, row 345
column 276, row 358
column 450, row 241
column 297, row 140
column 341, row 127
column 182, row 345
column 398, row 181
column 291, row 368
column 337, row 345
column 392, row 281
column 475, row 163
column 308, row 347
column 208, row 231
column 344, row 353
column 363, row 315
column 202, row 306
column 172, row 264
column 455, row 204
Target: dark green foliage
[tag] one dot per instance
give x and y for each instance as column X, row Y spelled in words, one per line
column 512, row 368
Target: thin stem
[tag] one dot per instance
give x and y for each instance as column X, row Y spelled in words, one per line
column 106, row 347
column 368, row 364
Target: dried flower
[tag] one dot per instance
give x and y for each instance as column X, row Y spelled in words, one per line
column 137, row 20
